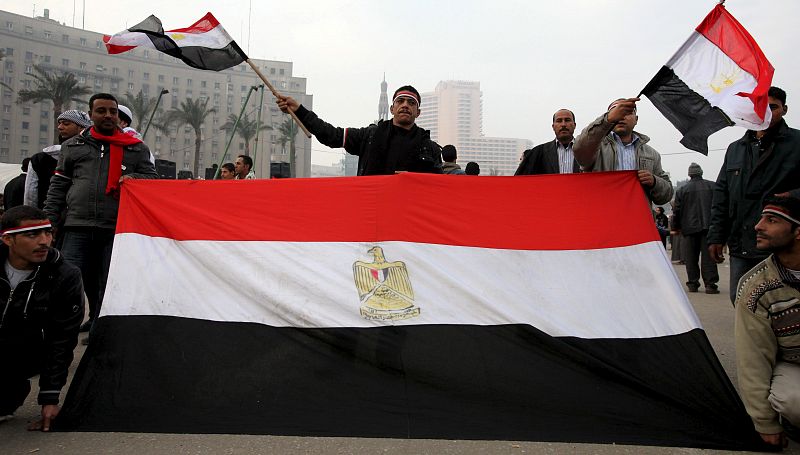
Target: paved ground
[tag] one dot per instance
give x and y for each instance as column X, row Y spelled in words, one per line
column 715, row 311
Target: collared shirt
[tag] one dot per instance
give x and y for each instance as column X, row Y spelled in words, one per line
column 626, row 154
column 566, row 158
column 250, row 176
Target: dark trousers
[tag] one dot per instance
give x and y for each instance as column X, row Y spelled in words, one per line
column 89, row 249
column 698, row 260
column 13, row 391
column 740, row 266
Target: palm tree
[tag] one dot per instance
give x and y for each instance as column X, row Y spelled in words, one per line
column 140, row 106
column 61, row 89
column 246, row 129
column 193, row 113
column 288, row 134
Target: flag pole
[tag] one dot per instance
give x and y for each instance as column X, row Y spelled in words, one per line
column 275, row 92
column 233, row 130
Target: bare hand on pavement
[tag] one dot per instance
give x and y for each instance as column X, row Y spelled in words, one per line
column 49, row 412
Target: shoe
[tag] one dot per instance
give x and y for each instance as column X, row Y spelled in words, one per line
column 86, row 326
column 6, row 418
column 713, row 290
column 692, row 287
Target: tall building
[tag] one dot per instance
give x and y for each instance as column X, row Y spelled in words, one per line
column 453, row 113
column 383, row 102
column 27, row 128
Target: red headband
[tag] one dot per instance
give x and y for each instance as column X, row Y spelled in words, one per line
column 31, row 227
column 405, row 94
column 781, row 212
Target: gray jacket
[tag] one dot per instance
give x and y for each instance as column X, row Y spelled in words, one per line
column 596, row 142
column 692, row 208
column 79, row 185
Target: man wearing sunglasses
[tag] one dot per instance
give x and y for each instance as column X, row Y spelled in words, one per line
column 383, row 148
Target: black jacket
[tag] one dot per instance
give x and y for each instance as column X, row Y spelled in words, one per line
column 371, row 145
column 743, row 183
column 692, row 208
column 14, row 192
column 77, row 190
column 542, row 159
column 40, row 322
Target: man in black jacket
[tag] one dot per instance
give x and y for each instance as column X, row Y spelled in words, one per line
column 759, row 165
column 554, row 157
column 43, row 310
column 692, row 214
column 382, row 148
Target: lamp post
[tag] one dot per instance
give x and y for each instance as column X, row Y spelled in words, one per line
column 155, row 108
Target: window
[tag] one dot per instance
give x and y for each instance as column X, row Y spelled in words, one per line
column 146, row 53
column 82, row 65
column 9, row 25
column 282, row 71
column 28, row 30
column 47, row 35
column 10, row 66
column 23, row 153
column 44, row 114
column 175, row 81
column 26, row 125
column 24, row 139
column 146, row 76
column 4, row 137
column 65, row 62
column 160, row 78
column 46, row 58
column 189, row 82
column 216, row 85
column 115, row 71
column 272, row 71
column 6, row 108
column 244, row 88
column 203, row 84
column 65, row 38
column 3, row 153
column 9, row 52
column 130, row 85
column 114, row 85
column 27, row 84
column 28, row 56
column 28, row 69
column 82, row 79
column 26, row 111
column 98, row 82
column 43, row 128
column 83, row 42
column 130, row 73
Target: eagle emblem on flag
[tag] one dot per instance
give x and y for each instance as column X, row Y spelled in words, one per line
column 384, row 288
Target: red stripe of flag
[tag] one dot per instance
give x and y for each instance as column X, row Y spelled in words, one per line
column 205, row 24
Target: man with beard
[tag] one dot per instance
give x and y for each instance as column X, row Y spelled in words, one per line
column 610, row 144
column 554, row 157
column 383, row 148
column 84, row 192
column 43, row 164
column 767, row 331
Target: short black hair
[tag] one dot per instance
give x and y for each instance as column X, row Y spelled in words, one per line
column 230, row 167
column 101, row 96
column 409, row 89
column 556, row 112
column 789, row 203
column 246, row 160
column 16, row 215
column 449, row 153
column 778, row 94
column 472, row 168
column 25, row 164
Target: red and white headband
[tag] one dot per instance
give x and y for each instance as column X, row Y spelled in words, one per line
column 406, row 94
column 781, row 212
column 30, row 227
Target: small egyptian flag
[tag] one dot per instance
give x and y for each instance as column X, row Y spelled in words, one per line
column 718, row 78
column 204, row 44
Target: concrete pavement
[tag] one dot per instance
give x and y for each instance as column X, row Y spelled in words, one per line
column 715, row 312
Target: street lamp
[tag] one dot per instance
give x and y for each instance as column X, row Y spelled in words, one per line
column 155, row 108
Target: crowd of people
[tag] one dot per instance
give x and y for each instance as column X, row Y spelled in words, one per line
column 60, row 216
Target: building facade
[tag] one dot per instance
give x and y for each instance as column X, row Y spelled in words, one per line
column 27, row 128
column 453, row 112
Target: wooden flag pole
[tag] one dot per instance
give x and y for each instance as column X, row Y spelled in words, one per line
column 275, row 92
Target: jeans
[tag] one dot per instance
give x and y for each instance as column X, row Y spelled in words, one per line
column 89, row 249
column 740, row 266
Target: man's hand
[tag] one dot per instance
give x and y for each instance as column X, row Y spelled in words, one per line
column 49, row 412
column 715, row 250
column 621, row 109
column 287, row 103
column 124, row 177
column 777, row 439
column 647, row 179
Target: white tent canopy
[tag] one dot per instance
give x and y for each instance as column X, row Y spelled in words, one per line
column 7, row 172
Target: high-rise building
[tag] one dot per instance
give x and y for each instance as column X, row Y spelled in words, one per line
column 27, row 128
column 383, row 102
column 453, row 113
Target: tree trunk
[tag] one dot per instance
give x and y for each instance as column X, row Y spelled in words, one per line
column 197, row 142
column 292, row 160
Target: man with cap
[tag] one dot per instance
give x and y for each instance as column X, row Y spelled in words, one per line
column 692, row 215
column 767, row 330
column 42, row 310
column 386, row 147
column 43, row 164
column 125, row 121
column 610, row 144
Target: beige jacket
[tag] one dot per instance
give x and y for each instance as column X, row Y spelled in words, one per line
column 767, row 331
column 596, row 143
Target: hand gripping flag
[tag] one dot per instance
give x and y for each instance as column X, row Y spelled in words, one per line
column 718, row 78
column 204, row 44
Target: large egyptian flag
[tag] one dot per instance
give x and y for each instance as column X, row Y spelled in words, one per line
column 204, row 44
column 718, row 78
column 407, row 306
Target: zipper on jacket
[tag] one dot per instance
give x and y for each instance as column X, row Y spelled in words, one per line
column 8, row 303
column 11, row 295
column 30, row 293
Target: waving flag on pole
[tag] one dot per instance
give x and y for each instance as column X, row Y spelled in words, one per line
column 718, row 78
column 204, row 44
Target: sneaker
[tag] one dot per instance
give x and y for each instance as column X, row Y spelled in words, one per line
column 86, row 326
column 712, row 290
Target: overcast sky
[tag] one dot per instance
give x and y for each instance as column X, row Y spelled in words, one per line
column 531, row 57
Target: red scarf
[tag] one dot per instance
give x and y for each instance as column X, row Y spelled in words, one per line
column 116, row 141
